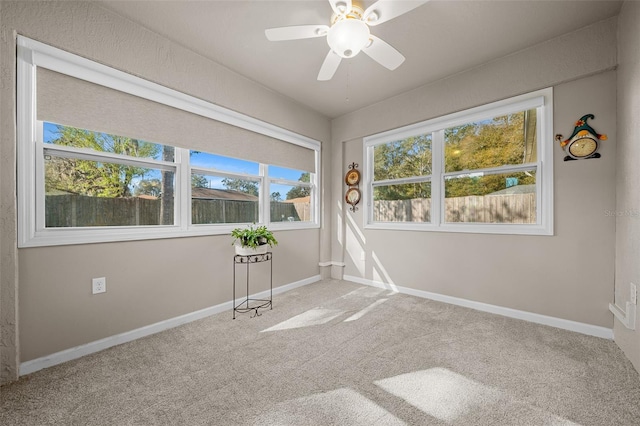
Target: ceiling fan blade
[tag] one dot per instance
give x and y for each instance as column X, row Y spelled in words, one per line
column 341, row 7
column 329, row 66
column 383, row 53
column 384, row 10
column 296, row 32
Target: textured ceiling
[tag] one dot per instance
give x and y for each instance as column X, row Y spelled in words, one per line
column 439, row 38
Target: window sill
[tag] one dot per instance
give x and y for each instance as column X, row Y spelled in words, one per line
column 60, row 237
column 469, row 228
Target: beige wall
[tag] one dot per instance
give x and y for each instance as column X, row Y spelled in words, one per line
column 147, row 281
column 627, row 191
column 568, row 275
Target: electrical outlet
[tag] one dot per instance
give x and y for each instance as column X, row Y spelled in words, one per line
column 99, row 285
column 634, row 294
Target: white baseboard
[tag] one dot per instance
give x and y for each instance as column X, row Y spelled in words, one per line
column 579, row 327
column 331, row 263
column 98, row 345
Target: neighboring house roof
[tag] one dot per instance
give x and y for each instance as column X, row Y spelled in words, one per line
column 517, row 189
column 299, row 200
column 221, row 194
column 148, row 197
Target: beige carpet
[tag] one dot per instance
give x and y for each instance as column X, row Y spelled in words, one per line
column 343, row 354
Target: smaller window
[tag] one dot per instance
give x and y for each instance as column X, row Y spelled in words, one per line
column 481, row 183
column 402, row 180
column 488, row 169
column 290, row 195
column 224, row 189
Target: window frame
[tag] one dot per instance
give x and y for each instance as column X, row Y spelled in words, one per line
column 30, row 154
column 541, row 100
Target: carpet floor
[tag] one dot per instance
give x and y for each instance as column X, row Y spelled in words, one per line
column 338, row 353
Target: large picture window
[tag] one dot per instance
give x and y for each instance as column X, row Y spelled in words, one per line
column 488, row 169
column 106, row 156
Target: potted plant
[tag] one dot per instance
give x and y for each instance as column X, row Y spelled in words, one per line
column 252, row 240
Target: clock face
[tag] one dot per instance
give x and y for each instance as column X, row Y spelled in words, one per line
column 353, row 196
column 582, row 147
column 352, row 177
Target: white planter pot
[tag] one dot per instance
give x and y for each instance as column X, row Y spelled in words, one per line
column 246, row 251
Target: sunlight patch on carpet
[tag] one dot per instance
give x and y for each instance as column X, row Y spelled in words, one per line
column 364, row 292
column 340, row 406
column 451, row 397
column 366, row 310
column 315, row 316
column 440, row 393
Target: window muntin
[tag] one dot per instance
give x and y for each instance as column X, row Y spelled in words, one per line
column 489, row 171
column 112, row 101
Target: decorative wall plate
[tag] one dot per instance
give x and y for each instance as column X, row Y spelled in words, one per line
column 352, row 177
column 352, row 196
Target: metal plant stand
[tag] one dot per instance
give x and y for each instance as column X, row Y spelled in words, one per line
column 245, row 305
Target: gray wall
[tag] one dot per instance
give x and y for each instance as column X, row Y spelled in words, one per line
column 147, row 281
column 627, row 191
column 568, row 275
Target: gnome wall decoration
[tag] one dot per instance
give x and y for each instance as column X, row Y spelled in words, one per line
column 583, row 142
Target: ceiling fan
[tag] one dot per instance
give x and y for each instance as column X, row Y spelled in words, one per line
column 349, row 33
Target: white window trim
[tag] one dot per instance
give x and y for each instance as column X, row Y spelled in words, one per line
column 31, row 231
column 541, row 99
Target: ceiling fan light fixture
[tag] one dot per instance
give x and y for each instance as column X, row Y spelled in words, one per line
column 349, row 33
column 347, row 37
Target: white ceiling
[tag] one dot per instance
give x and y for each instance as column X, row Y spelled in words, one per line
column 439, row 38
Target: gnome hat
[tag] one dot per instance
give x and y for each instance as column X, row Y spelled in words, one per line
column 581, row 130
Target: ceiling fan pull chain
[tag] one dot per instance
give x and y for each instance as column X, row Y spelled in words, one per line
column 348, row 80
